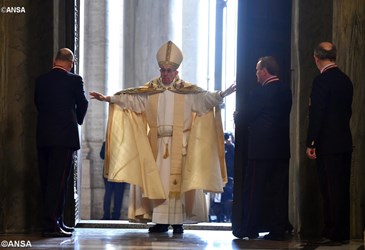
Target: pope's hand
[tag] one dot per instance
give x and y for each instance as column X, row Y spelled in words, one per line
column 229, row 90
column 97, row 96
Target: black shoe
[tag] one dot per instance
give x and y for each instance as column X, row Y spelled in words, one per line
column 275, row 237
column 253, row 236
column 159, row 228
column 56, row 233
column 178, row 229
column 65, row 228
column 326, row 242
column 240, row 235
column 250, row 236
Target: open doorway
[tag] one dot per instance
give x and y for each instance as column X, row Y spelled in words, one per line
column 118, row 42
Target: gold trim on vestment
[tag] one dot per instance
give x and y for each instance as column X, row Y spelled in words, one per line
column 131, row 155
column 151, row 114
column 176, row 140
column 155, row 86
column 177, row 144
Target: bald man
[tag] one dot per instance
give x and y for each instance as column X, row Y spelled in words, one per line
column 61, row 104
column 329, row 142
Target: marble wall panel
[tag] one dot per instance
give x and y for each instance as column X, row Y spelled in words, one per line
column 349, row 37
column 26, row 51
column 311, row 24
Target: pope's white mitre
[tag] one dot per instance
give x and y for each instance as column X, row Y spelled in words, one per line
column 169, row 54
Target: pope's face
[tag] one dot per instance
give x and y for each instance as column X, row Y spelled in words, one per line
column 168, row 74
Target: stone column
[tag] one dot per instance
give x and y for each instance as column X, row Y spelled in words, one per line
column 146, row 28
column 93, row 48
column 189, row 35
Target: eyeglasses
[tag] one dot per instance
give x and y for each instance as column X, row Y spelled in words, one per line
column 167, row 70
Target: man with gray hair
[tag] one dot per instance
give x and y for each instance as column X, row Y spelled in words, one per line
column 61, row 104
column 329, row 142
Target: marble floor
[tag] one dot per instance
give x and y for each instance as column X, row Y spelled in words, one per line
column 108, row 236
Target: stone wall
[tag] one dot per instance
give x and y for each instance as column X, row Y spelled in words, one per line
column 311, row 24
column 349, row 37
column 26, row 50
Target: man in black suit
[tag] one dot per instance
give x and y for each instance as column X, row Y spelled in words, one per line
column 267, row 169
column 61, row 104
column 329, row 141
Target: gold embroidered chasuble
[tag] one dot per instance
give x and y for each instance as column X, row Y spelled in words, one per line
column 131, row 147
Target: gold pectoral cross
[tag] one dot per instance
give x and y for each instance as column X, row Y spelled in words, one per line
column 166, row 154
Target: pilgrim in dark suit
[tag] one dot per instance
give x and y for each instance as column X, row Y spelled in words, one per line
column 61, row 104
column 267, row 169
column 329, row 141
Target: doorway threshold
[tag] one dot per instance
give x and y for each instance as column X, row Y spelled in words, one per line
column 131, row 225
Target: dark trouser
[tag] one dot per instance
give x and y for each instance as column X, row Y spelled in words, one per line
column 334, row 176
column 265, row 196
column 115, row 189
column 54, row 168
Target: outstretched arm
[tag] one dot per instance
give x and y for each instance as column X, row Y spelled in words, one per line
column 229, row 90
column 99, row 97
